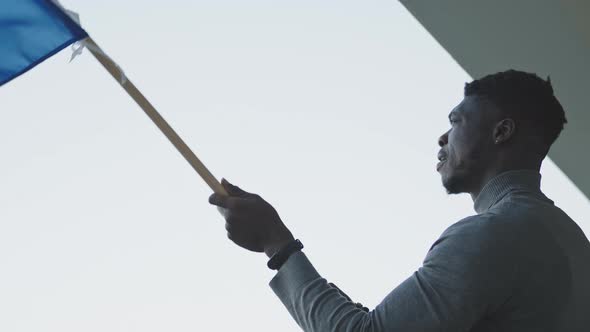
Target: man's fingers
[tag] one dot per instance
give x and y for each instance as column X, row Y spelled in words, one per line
column 228, row 202
column 218, row 200
column 223, row 211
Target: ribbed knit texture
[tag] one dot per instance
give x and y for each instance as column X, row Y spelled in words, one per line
column 501, row 185
column 521, row 264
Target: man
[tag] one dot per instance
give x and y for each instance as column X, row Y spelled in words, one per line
column 520, row 264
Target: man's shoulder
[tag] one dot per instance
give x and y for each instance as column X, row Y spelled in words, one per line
column 487, row 231
column 474, row 247
column 485, row 223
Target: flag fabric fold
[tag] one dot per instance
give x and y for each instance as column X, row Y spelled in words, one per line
column 30, row 32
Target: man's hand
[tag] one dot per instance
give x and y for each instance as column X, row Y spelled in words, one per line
column 250, row 221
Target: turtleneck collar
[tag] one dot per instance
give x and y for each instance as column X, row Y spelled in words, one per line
column 498, row 187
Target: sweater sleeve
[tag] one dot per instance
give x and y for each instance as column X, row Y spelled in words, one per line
column 467, row 273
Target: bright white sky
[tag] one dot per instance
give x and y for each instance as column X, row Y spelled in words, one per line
column 330, row 110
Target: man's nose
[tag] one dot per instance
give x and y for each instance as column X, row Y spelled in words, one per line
column 443, row 139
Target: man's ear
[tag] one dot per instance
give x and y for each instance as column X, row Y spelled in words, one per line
column 504, row 130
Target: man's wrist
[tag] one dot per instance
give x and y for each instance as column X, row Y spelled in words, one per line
column 280, row 257
column 274, row 247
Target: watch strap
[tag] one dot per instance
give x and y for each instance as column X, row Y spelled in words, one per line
column 280, row 257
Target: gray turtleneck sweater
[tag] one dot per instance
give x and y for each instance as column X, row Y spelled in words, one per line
column 520, row 264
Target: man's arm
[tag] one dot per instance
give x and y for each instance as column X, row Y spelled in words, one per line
column 463, row 279
column 466, row 275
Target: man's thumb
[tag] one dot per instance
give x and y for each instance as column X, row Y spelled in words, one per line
column 233, row 190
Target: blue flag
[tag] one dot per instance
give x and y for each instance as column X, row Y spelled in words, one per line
column 30, row 32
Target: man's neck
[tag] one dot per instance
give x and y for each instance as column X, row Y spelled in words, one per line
column 493, row 172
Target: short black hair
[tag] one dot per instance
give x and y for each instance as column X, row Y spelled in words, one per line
column 525, row 97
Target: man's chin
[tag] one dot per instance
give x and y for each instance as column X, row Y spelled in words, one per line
column 453, row 191
column 452, row 185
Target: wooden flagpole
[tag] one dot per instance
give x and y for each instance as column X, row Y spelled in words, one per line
column 158, row 120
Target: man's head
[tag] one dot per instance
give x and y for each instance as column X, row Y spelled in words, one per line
column 506, row 121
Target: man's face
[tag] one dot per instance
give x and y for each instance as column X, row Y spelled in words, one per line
column 466, row 148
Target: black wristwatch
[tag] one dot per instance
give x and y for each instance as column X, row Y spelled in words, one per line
column 280, row 257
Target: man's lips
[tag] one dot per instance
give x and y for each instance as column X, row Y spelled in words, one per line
column 442, row 157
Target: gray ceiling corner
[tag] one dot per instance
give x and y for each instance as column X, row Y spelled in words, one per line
column 546, row 37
